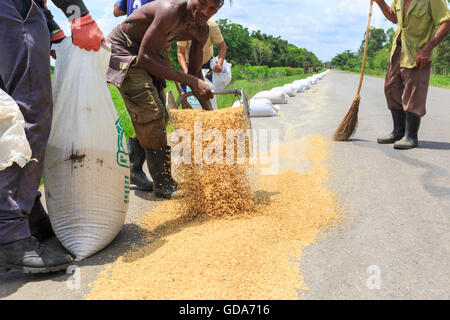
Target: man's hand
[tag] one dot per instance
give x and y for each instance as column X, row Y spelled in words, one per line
column 201, row 90
column 86, row 34
column 218, row 68
column 423, row 57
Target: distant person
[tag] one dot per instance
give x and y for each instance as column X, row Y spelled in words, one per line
column 127, row 7
column 215, row 37
column 135, row 150
column 408, row 75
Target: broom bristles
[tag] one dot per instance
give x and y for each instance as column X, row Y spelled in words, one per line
column 349, row 123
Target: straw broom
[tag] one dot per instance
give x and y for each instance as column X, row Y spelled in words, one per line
column 348, row 125
column 184, row 103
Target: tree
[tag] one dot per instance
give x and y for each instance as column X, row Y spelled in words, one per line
column 237, row 38
column 377, row 39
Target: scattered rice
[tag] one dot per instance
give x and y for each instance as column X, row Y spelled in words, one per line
column 224, row 253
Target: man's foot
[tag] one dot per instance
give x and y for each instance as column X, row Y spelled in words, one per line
column 137, row 158
column 410, row 140
column 399, row 119
column 29, row 256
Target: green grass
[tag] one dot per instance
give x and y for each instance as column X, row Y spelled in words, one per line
column 436, row 80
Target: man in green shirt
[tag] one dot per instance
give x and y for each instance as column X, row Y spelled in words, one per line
column 408, row 75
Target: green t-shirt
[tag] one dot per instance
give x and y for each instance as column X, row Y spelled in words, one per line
column 418, row 27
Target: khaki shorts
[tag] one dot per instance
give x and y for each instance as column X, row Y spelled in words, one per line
column 146, row 106
column 407, row 89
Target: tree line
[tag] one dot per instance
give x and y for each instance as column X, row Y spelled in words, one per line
column 259, row 49
column 379, row 50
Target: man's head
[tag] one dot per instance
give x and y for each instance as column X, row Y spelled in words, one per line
column 205, row 9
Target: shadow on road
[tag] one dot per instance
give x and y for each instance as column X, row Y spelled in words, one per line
column 431, row 178
column 434, row 145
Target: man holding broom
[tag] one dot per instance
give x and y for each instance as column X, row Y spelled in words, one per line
column 408, row 75
column 137, row 69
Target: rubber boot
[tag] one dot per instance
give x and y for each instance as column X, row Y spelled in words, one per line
column 29, row 256
column 410, row 139
column 137, row 158
column 399, row 119
column 160, row 168
column 39, row 221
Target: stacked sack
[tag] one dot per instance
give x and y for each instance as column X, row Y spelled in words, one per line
column 266, row 103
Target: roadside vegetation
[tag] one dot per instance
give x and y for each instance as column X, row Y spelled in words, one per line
column 378, row 57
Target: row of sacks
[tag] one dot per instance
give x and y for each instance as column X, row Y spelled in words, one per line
column 266, row 103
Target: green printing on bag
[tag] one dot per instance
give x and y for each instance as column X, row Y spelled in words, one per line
column 122, row 155
column 126, row 190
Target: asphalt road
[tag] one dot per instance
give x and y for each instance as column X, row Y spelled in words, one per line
column 395, row 239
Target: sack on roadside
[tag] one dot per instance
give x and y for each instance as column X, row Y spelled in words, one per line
column 260, row 108
column 86, row 168
column 277, row 97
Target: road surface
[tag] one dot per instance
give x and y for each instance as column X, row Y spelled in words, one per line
column 394, row 242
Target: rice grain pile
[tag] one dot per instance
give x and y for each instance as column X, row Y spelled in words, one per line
column 211, row 186
column 253, row 256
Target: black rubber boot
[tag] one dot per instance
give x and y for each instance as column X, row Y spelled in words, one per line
column 160, row 168
column 399, row 119
column 29, row 256
column 39, row 221
column 137, row 158
column 410, row 139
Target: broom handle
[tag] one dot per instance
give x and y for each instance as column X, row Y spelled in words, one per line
column 365, row 49
column 176, row 83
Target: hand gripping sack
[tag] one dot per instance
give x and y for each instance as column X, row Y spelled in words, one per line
column 14, row 146
column 222, row 79
column 86, row 169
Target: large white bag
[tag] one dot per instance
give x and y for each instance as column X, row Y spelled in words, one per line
column 14, row 146
column 260, row 108
column 291, row 92
column 276, row 97
column 86, row 169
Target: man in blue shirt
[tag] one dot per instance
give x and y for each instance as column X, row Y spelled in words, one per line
column 127, row 7
column 136, row 152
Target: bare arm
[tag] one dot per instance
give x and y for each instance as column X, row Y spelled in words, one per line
column 154, row 43
column 222, row 54
column 195, row 68
column 423, row 57
column 387, row 11
column 181, row 53
column 118, row 12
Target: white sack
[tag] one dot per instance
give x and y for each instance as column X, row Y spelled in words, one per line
column 14, row 146
column 262, row 108
column 86, row 169
column 222, row 79
column 277, row 97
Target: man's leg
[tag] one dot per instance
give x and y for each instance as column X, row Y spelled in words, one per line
column 393, row 89
column 137, row 159
column 25, row 74
column 414, row 103
column 145, row 105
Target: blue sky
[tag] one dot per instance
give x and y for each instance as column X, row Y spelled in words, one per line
column 325, row 27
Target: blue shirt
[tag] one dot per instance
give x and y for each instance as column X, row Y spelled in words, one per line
column 129, row 6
